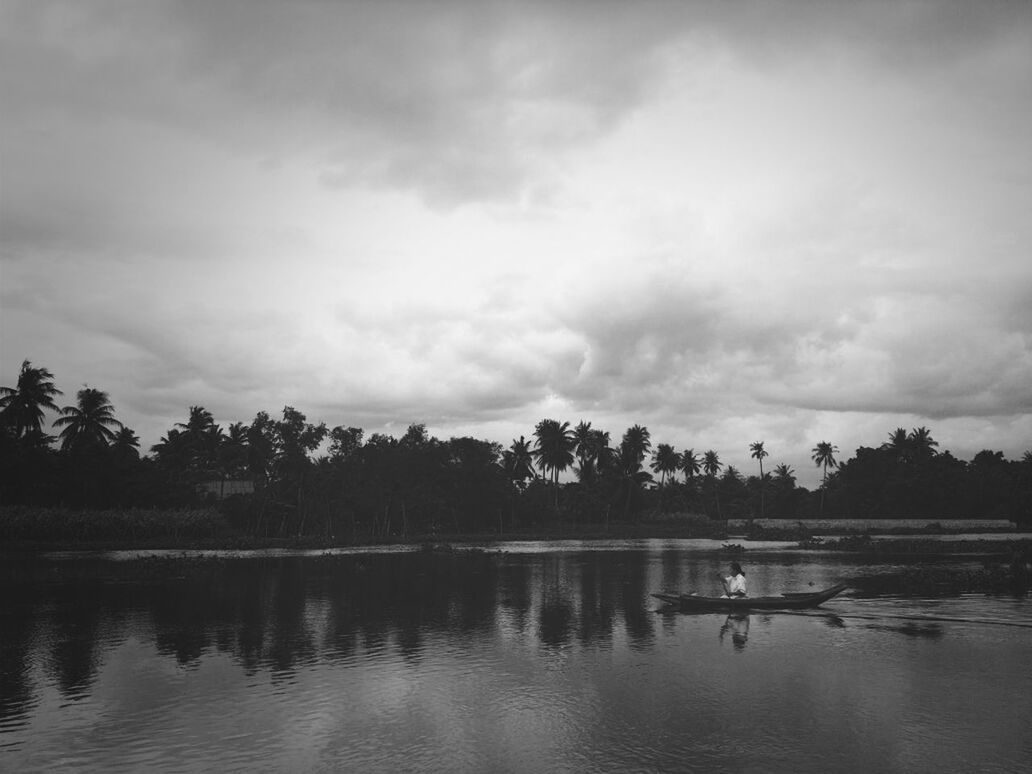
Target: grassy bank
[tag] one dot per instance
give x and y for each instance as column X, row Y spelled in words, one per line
column 50, row 529
column 865, row 544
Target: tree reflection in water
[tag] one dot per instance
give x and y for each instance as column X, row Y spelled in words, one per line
column 277, row 614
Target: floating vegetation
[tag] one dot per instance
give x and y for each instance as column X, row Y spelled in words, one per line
column 811, row 542
column 734, row 548
column 916, row 546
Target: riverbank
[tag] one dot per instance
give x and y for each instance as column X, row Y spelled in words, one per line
column 25, row 530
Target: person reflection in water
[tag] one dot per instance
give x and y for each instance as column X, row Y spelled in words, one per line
column 738, row 626
column 734, row 584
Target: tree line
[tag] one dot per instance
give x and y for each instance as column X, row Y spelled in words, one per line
column 310, row 479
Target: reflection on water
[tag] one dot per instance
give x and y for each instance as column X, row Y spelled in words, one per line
column 516, row 661
column 737, row 625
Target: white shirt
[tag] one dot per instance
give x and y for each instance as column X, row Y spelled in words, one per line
column 735, row 584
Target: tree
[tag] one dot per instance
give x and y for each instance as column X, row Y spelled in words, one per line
column 88, row 424
column 126, row 444
column 898, row 444
column 758, row 453
column 518, row 462
column 784, row 475
column 554, row 449
column 711, row 466
column 635, row 444
column 665, row 461
column 294, row 440
column 345, row 442
column 203, row 440
column 21, row 407
column 922, row 443
column 690, row 464
column 583, row 436
column 824, row 456
column 595, row 455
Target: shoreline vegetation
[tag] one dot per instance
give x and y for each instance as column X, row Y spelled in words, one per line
column 25, row 529
column 287, row 480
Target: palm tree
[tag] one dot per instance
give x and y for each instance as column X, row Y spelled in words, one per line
column 21, row 407
column 232, row 452
column 824, row 456
column 582, row 435
column 204, row 439
column 635, row 444
column 518, row 461
column 758, row 453
column 554, row 449
column 126, row 444
column 88, row 424
column 922, row 443
column 784, row 475
column 603, row 456
column 899, row 444
column 711, row 466
column 690, row 464
column 665, row 461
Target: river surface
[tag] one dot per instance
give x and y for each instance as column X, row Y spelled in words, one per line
column 527, row 657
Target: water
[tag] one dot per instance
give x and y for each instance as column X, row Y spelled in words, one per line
column 538, row 657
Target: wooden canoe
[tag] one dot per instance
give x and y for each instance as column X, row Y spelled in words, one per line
column 796, row 601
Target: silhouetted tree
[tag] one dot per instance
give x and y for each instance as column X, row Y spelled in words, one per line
column 758, row 454
column 824, row 456
column 21, row 407
column 89, row 423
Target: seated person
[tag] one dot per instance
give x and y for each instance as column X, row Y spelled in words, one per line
column 734, row 584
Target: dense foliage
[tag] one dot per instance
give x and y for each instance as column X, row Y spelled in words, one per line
column 301, row 478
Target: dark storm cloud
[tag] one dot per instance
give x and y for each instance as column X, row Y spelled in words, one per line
column 450, row 99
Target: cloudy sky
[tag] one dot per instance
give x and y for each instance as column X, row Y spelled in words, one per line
column 729, row 222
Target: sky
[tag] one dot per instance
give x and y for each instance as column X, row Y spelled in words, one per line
column 768, row 221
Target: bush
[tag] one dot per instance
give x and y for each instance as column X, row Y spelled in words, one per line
column 66, row 525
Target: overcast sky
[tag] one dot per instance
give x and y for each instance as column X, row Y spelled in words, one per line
column 728, row 222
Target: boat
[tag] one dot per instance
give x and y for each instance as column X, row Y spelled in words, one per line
column 790, row 601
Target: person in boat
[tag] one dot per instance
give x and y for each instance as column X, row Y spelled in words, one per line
column 734, row 584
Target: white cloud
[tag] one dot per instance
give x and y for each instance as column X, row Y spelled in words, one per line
column 782, row 221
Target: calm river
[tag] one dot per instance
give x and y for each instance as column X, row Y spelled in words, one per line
column 532, row 658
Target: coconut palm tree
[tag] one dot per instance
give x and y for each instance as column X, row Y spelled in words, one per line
column 784, row 475
column 665, row 461
column 21, row 407
column 603, row 456
column 636, row 443
column 634, row 446
column 518, row 461
column 899, row 444
column 554, row 449
column 921, row 441
column 204, row 439
column 711, row 467
column 126, row 444
column 582, row 435
column 758, row 453
column 89, row 423
column 690, row 464
column 824, row 456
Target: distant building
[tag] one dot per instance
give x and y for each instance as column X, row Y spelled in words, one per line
column 228, row 487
